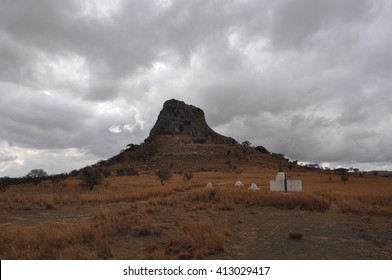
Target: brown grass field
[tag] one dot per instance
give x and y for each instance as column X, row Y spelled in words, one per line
column 135, row 217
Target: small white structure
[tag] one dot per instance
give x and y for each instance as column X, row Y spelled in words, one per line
column 238, row 184
column 253, row 186
column 294, row 185
column 281, row 176
column 281, row 184
column 209, row 185
column 278, row 184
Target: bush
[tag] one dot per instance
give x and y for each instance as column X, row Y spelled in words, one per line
column 295, row 235
column 246, row 144
column 344, row 178
column 187, row 176
column 261, row 149
column 106, row 172
column 5, row 183
column 163, row 175
column 91, row 179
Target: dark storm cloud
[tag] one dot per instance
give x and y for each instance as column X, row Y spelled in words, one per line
column 85, row 78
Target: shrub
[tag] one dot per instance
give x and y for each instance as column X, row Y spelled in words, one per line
column 246, row 144
column 263, row 150
column 344, row 178
column 163, row 175
column 90, row 179
column 4, row 185
column 295, row 235
column 187, row 176
column 196, row 240
column 106, row 173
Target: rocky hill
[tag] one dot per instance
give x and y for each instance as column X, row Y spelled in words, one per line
column 182, row 140
column 178, row 118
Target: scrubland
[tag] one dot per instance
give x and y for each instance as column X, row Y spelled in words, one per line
column 136, row 217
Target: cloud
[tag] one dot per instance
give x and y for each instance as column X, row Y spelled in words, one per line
column 306, row 78
column 298, row 23
column 5, row 157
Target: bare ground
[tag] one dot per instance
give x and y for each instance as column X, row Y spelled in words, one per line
column 263, row 233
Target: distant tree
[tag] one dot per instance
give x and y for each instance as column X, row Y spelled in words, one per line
column 55, row 179
column 344, row 178
column 341, row 171
column 246, row 144
column 263, row 150
column 132, row 147
column 91, row 179
column 37, row 173
column 35, row 176
column 74, row 172
column 100, row 163
column 5, row 183
column 280, row 156
column 294, row 162
column 313, row 166
column 163, row 175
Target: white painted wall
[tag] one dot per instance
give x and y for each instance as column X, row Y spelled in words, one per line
column 294, row 185
column 276, row 186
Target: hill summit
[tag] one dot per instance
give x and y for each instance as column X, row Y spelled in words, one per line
column 178, row 118
column 181, row 140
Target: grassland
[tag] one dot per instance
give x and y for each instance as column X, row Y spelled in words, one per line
column 135, row 217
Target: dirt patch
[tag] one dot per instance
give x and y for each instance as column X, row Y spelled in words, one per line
column 263, row 233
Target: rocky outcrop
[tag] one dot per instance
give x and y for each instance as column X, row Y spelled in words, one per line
column 178, row 118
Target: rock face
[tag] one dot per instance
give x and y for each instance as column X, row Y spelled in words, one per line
column 178, row 118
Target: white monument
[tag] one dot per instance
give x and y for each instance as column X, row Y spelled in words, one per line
column 282, row 184
column 238, row 184
column 253, row 186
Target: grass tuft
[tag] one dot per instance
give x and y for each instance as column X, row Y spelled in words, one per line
column 295, row 235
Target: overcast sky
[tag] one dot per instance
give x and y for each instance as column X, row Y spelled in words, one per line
column 79, row 80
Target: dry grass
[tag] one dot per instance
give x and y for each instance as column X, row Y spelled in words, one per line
column 51, row 241
column 159, row 255
column 85, row 239
column 51, row 198
column 230, row 196
column 21, row 196
column 195, row 240
column 117, row 194
column 375, row 204
column 92, row 236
